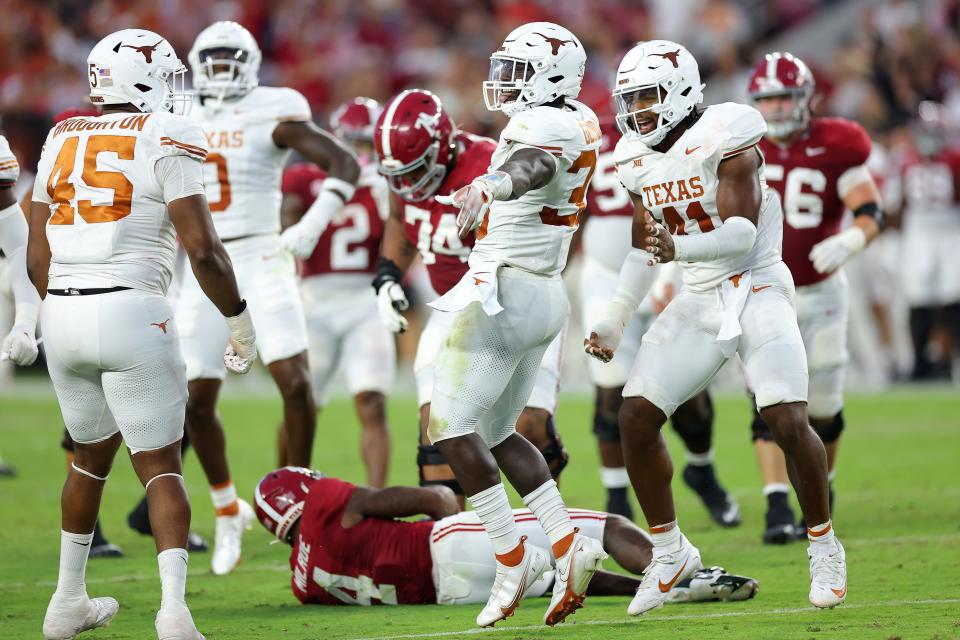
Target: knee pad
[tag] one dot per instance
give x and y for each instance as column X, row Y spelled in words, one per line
column 831, row 433
column 556, row 456
column 759, row 428
column 694, row 421
column 606, row 427
column 430, row 456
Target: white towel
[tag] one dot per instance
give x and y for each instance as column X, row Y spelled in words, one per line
column 479, row 284
column 733, row 292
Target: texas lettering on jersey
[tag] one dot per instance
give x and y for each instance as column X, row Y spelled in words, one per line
column 811, row 175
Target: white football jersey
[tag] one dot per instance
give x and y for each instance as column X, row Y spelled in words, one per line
column 533, row 232
column 245, row 167
column 108, row 223
column 679, row 187
column 9, row 168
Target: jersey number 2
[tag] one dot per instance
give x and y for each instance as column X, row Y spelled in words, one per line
column 548, row 215
column 62, row 190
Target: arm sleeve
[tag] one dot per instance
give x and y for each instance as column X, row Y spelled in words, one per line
column 734, row 237
column 636, row 279
column 180, row 176
column 13, row 242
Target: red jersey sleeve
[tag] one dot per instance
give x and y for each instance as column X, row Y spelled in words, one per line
column 848, row 140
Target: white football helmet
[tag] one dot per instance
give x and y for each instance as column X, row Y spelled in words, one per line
column 666, row 72
column 138, row 67
column 538, row 63
column 225, row 61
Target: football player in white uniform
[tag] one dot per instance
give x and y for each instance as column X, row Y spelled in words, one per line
column 697, row 182
column 510, row 306
column 250, row 130
column 112, row 194
column 20, row 344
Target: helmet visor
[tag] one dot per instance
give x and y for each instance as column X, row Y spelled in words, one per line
column 223, row 71
column 418, row 180
column 638, row 109
column 505, row 80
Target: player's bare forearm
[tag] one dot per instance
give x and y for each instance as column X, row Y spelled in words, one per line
column 529, row 169
column 638, row 229
column 292, row 209
column 860, row 196
column 400, row 502
column 38, row 249
column 738, row 189
column 208, row 257
column 319, row 147
column 396, row 247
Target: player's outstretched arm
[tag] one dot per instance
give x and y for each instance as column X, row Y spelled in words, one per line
column 20, row 345
column 399, row 502
column 863, row 198
column 396, row 254
column 527, row 169
column 637, row 276
column 342, row 169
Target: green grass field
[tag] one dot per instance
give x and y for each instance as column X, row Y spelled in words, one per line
column 898, row 515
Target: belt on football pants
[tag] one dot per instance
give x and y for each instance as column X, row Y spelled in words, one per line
column 84, row 292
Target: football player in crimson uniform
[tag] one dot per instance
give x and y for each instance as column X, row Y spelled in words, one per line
column 348, row 547
column 926, row 190
column 341, row 311
column 422, row 153
column 605, row 242
column 251, row 131
column 511, row 304
column 696, row 179
column 818, row 168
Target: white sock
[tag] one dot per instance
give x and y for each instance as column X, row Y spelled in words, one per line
column 493, row 508
column 822, row 534
column 614, row 477
column 547, row 505
column 775, row 487
column 224, row 496
column 74, row 550
column 700, row 459
column 173, row 575
column 665, row 535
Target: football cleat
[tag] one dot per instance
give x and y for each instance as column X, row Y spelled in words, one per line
column 722, row 506
column 713, row 584
column 174, row 622
column 512, row 582
column 66, row 617
column 828, row 575
column 664, row 572
column 575, row 569
column 226, row 544
column 106, row 550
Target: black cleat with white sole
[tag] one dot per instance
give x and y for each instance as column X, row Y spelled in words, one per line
column 722, row 506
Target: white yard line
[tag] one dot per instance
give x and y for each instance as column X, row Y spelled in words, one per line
column 690, row 616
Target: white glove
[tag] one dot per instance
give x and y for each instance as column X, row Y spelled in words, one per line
column 831, row 253
column 301, row 239
column 474, row 200
column 242, row 350
column 20, row 346
column 605, row 336
column 391, row 300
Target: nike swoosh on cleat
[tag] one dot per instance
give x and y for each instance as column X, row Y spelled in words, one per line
column 840, row 592
column 666, row 587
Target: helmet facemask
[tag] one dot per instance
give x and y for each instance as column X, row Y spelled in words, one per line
column 640, row 113
column 418, row 180
column 223, row 72
column 784, row 120
column 177, row 99
column 508, row 82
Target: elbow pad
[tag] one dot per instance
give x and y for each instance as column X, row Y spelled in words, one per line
column 735, row 237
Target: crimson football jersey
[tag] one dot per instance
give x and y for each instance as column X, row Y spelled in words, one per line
column 607, row 196
column 805, row 174
column 351, row 243
column 432, row 227
column 376, row 561
column 926, row 187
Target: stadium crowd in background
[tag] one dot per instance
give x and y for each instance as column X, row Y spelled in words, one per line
column 894, row 55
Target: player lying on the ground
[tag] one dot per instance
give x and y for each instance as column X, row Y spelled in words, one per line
column 349, row 549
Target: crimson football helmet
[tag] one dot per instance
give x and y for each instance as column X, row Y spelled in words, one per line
column 280, row 497
column 783, row 74
column 355, row 120
column 414, row 140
